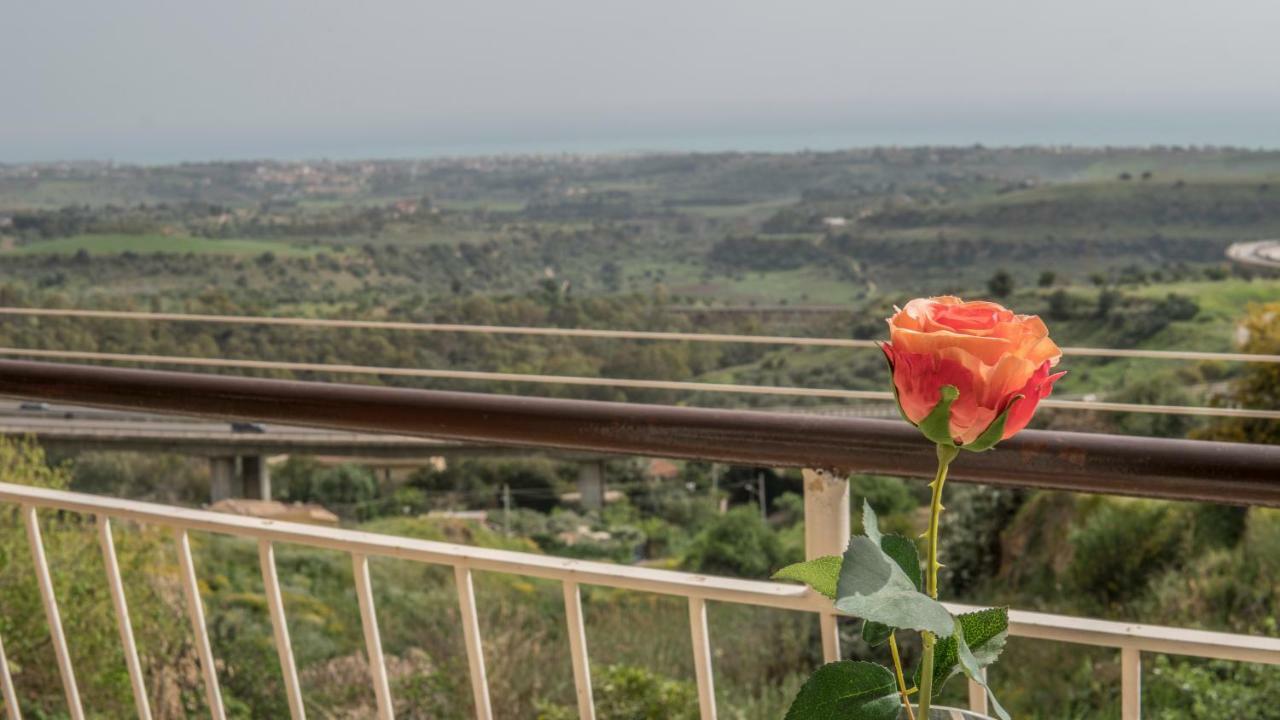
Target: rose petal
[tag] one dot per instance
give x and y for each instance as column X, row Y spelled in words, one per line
column 1036, row 389
column 988, row 352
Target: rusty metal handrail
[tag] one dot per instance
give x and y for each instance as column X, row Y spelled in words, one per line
column 1085, row 462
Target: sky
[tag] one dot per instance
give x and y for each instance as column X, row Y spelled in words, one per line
column 163, row 81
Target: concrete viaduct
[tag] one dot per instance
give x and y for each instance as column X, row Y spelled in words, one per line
column 237, row 453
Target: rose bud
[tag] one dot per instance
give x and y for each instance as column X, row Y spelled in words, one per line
column 997, row 362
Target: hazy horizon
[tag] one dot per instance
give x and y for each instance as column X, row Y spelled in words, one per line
column 142, row 81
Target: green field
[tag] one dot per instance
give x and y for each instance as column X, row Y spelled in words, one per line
column 55, row 193
column 147, row 244
column 1225, row 301
column 758, row 210
column 492, row 205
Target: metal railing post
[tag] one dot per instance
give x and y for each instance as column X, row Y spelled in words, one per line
column 1130, row 683
column 372, row 638
column 578, row 650
column 826, row 532
column 56, row 634
column 475, row 648
column 116, row 585
column 280, row 628
column 11, row 711
column 978, row 695
column 195, row 612
column 702, row 658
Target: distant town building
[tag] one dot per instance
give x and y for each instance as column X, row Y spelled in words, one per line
column 662, row 470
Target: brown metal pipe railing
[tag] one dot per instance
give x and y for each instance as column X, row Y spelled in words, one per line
column 1084, row 462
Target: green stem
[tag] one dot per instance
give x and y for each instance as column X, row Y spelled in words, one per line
column 926, row 675
column 946, row 453
column 902, row 681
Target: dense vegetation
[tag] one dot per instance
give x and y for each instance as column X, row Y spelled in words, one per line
column 1116, row 248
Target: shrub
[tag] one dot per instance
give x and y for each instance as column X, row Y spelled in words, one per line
column 344, row 485
column 626, row 692
column 738, row 543
column 146, row 559
column 887, row 495
column 305, row 480
column 1121, row 545
column 1152, row 390
column 1258, row 385
column 1235, row 588
column 1178, row 307
column 157, row 477
column 975, row 518
column 1183, row 689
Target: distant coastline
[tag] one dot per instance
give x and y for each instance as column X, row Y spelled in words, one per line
column 1249, row 134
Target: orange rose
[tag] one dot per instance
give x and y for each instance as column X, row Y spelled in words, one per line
column 997, row 361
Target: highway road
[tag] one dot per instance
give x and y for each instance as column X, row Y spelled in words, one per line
column 69, row 427
column 73, row 428
column 1258, row 253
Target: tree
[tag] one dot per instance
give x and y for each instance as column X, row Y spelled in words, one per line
column 345, row 484
column 1059, row 305
column 739, row 544
column 1047, row 278
column 1152, row 390
column 1001, row 284
column 1107, row 301
column 611, row 276
column 305, row 480
column 1258, row 386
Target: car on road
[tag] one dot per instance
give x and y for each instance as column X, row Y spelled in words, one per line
column 34, row 406
column 247, row 427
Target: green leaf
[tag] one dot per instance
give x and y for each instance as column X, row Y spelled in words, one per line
column 870, row 524
column 994, row 432
column 985, row 633
column 820, row 574
column 904, row 552
column 973, row 670
column 847, row 690
column 937, row 424
column 873, row 587
column 875, row 634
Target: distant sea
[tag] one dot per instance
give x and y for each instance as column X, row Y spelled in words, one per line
column 1262, row 134
column 1249, row 130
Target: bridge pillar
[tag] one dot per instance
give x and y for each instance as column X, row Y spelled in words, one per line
column 591, row 484
column 222, row 472
column 255, row 477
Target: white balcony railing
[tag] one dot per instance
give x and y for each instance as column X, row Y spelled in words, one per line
column 826, row 505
